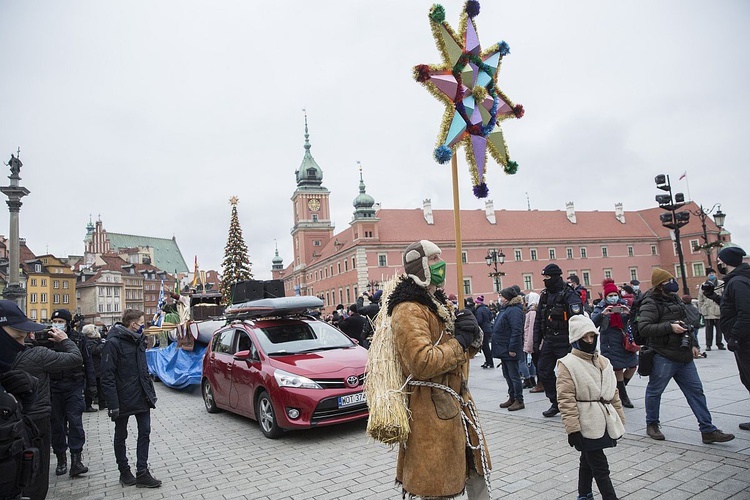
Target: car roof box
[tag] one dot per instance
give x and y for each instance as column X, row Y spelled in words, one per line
column 282, row 306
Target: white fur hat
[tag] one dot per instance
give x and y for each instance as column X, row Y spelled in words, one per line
column 416, row 261
column 578, row 326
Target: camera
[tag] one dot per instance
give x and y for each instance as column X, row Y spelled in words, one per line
column 616, row 309
column 686, row 336
column 43, row 336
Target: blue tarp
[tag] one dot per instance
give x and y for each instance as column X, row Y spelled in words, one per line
column 176, row 368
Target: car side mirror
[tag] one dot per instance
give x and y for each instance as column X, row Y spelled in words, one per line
column 245, row 355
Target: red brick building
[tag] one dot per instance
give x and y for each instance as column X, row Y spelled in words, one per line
column 617, row 244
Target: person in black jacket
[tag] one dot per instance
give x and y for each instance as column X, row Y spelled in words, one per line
column 35, row 358
column 66, row 393
column 735, row 311
column 354, row 325
column 662, row 320
column 557, row 303
column 484, row 318
column 507, row 344
column 129, row 390
column 95, row 346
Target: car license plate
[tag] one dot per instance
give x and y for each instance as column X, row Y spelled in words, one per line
column 351, row 399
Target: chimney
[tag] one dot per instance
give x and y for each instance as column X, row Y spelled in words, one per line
column 619, row 213
column 571, row 212
column 489, row 210
column 427, row 209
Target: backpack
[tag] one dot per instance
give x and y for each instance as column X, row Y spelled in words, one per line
column 20, row 460
column 631, row 329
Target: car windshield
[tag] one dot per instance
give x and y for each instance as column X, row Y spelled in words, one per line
column 302, row 336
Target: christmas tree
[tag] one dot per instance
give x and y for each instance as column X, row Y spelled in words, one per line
column 236, row 265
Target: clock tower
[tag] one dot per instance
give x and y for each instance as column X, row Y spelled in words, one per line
column 312, row 216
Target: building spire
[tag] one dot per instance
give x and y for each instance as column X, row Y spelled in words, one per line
column 309, row 174
column 307, row 134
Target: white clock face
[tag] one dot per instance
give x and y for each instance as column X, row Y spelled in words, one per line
column 314, row 204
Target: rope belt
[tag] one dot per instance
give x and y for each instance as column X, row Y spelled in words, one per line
column 471, row 420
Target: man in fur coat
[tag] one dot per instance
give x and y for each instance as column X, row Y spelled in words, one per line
column 434, row 350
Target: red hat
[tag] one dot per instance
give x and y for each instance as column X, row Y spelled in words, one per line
column 610, row 287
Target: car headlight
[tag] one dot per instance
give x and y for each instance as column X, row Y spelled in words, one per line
column 286, row 379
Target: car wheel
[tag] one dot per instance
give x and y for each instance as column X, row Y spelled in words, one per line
column 208, row 397
column 266, row 417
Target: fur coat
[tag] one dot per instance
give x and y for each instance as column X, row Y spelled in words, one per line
column 433, row 462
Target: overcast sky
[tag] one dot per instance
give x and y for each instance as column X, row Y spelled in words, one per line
column 154, row 113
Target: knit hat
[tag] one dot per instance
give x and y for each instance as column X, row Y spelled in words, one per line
column 509, row 293
column 416, row 261
column 659, row 276
column 687, row 299
column 732, row 256
column 710, row 270
column 578, row 326
column 610, row 287
column 479, row 300
column 552, row 270
column 62, row 314
column 90, row 331
column 635, row 282
column 376, row 296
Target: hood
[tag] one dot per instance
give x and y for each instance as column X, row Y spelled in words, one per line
column 336, row 363
column 741, row 270
column 119, row 331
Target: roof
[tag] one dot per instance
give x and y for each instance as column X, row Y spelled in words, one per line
column 167, row 255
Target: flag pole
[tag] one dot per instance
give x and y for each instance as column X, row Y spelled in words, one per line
column 457, row 225
column 687, row 184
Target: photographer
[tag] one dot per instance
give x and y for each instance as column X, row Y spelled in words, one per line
column 663, row 321
column 34, row 358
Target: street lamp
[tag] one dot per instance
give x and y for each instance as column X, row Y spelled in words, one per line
column 672, row 219
column 719, row 218
column 492, row 259
column 373, row 285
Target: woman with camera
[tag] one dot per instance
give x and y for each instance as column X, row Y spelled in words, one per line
column 611, row 316
column 663, row 322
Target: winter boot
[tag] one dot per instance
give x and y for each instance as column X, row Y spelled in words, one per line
column 76, row 467
column 517, row 405
column 126, row 477
column 538, row 387
column 553, row 410
column 625, row 380
column 508, row 403
column 532, row 382
column 716, row 437
column 62, row 464
column 144, row 479
column 653, row 432
column 624, row 395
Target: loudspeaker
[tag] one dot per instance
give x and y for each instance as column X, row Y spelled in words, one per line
column 242, row 291
column 273, row 289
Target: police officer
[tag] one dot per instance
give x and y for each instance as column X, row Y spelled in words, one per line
column 66, row 393
column 557, row 303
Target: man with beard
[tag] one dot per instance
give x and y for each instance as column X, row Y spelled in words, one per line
column 557, row 303
column 437, row 461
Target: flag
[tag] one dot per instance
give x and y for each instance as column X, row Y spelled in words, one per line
column 159, row 313
column 684, row 174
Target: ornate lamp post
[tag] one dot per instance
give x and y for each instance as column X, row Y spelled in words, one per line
column 14, row 192
column 672, row 219
column 492, row 259
column 719, row 218
column 373, row 285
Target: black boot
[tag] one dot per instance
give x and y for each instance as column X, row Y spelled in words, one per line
column 126, row 477
column 76, row 467
column 624, row 395
column 532, row 381
column 62, row 464
column 625, row 380
column 144, row 479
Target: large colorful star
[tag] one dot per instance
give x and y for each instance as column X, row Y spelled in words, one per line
column 466, row 82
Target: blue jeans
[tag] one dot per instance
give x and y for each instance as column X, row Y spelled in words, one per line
column 121, row 434
column 513, row 378
column 526, row 366
column 689, row 383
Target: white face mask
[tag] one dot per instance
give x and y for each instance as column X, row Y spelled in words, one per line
column 59, row 326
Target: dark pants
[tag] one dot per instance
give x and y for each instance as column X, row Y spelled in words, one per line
column 99, row 396
column 38, row 491
column 486, row 349
column 545, row 370
column 710, row 323
column 121, row 434
column 594, row 465
column 742, row 355
column 513, row 378
column 67, row 422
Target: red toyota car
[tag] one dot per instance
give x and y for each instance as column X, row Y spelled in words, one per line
column 284, row 369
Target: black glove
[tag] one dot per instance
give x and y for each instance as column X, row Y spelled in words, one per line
column 113, row 413
column 91, row 392
column 18, row 382
column 708, row 288
column 575, row 439
column 732, row 344
column 466, row 328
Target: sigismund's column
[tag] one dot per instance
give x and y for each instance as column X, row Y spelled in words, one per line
column 14, row 192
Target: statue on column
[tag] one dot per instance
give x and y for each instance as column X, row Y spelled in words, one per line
column 15, row 165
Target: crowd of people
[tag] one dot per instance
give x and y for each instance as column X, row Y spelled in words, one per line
column 576, row 350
